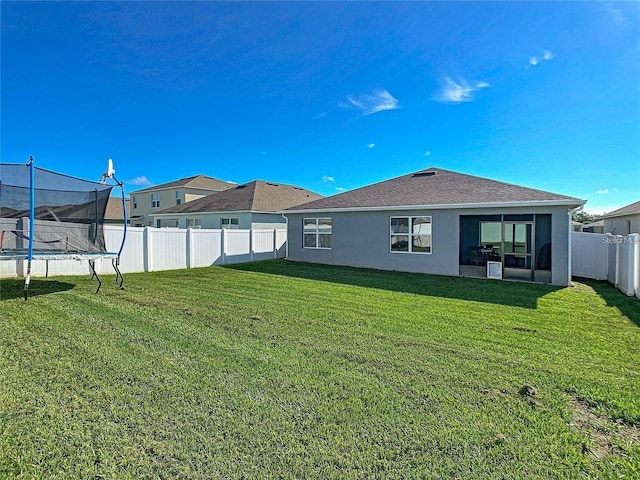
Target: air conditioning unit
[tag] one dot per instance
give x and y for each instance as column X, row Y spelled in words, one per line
column 494, row 270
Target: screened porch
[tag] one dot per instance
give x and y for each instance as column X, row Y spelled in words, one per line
column 520, row 244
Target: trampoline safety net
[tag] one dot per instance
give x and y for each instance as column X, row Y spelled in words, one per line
column 68, row 214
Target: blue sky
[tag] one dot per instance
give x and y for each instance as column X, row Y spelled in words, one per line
column 328, row 96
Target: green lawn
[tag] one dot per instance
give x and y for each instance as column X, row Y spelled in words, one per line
column 286, row 370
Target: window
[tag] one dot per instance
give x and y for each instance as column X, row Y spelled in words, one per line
column 155, row 200
column 178, row 198
column 135, row 202
column 194, row 223
column 491, row 236
column 410, row 234
column 228, row 223
column 167, row 223
column 316, row 233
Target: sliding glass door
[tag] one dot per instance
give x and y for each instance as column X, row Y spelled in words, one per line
column 518, row 249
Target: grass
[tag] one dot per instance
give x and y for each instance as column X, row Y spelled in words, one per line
column 286, row 370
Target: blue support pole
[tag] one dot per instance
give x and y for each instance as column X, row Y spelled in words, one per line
column 116, row 261
column 32, row 203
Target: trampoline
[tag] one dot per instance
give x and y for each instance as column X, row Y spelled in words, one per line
column 47, row 216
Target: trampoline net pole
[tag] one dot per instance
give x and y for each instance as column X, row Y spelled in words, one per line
column 32, row 202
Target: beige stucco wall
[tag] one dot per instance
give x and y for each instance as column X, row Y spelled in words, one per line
column 167, row 199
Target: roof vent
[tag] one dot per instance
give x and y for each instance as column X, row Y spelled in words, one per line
column 423, row 174
column 240, row 186
column 297, row 188
column 272, row 184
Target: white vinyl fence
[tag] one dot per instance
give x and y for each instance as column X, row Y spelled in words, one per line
column 615, row 258
column 149, row 249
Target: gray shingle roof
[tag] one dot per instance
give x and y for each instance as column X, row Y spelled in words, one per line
column 114, row 208
column 197, row 181
column 626, row 210
column 257, row 196
column 434, row 186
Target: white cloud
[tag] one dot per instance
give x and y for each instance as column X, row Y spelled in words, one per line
column 262, row 152
column 545, row 57
column 327, row 178
column 320, row 115
column 368, row 104
column 615, row 13
column 596, row 210
column 602, row 190
column 340, row 189
column 371, row 145
column 457, row 91
column 427, row 153
column 142, row 180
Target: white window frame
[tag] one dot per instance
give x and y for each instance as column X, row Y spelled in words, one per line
column 155, row 200
column 178, row 197
column 317, row 232
column 410, row 234
column 135, row 202
column 230, row 224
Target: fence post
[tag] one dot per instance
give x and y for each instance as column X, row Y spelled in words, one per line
column 251, row 244
column 606, row 257
column 617, row 271
column 275, row 243
column 147, row 249
column 632, row 263
column 189, row 248
column 223, row 245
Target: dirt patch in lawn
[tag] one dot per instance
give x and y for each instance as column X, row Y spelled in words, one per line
column 607, row 437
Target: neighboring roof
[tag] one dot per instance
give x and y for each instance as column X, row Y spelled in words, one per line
column 114, row 208
column 438, row 188
column 631, row 209
column 573, row 222
column 197, row 181
column 599, row 223
column 257, row 196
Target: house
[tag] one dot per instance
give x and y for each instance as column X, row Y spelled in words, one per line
column 576, row 226
column 113, row 214
column 623, row 221
column 154, row 199
column 439, row 222
column 251, row 205
column 593, row 227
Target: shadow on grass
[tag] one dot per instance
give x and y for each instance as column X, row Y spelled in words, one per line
column 11, row 288
column 515, row 294
column 628, row 306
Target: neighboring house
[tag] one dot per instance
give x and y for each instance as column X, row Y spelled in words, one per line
column 113, row 214
column 576, row 226
column 623, row 221
column 594, row 227
column 252, row 205
column 154, row 199
column 439, row 222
